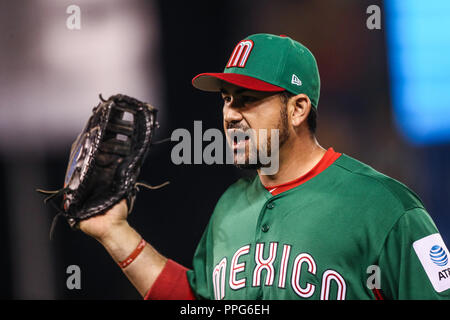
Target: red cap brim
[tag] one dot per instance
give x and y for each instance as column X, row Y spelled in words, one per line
column 213, row 82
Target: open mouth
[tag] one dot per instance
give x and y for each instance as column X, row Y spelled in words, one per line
column 240, row 141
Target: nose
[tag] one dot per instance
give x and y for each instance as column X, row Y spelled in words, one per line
column 231, row 112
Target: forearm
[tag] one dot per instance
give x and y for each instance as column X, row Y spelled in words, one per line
column 144, row 270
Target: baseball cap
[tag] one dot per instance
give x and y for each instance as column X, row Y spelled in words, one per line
column 266, row 62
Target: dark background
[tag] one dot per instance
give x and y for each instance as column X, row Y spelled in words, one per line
column 355, row 118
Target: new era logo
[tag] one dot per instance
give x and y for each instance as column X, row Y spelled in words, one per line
column 295, row 80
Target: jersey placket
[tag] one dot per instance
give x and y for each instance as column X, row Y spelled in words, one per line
column 265, row 247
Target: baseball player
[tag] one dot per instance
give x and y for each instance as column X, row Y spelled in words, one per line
column 324, row 226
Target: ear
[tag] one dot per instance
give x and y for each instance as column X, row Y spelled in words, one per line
column 300, row 106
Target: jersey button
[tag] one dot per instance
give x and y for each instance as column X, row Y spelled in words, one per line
column 264, row 228
column 270, row 205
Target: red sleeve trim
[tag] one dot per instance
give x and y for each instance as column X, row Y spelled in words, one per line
column 378, row 294
column 171, row 284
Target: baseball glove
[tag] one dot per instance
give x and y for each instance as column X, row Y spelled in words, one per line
column 105, row 160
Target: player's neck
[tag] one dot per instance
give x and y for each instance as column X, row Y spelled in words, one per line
column 296, row 158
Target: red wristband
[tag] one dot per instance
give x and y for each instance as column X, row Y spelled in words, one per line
column 125, row 263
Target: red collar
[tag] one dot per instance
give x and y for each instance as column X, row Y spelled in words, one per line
column 327, row 160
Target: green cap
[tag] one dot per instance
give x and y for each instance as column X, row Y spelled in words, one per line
column 266, row 62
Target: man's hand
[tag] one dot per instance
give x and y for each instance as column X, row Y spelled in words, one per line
column 103, row 226
column 120, row 239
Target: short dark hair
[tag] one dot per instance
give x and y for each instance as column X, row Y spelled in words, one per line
column 312, row 116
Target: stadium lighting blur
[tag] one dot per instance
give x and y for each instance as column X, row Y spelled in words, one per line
column 418, row 44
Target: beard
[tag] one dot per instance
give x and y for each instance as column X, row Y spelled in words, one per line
column 254, row 151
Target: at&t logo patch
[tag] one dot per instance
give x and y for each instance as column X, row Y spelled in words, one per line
column 432, row 253
column 438, row 256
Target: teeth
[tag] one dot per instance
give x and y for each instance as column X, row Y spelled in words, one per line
column 239, row 137
column 240, row 143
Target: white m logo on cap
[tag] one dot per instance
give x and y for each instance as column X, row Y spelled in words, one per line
column 240, row 54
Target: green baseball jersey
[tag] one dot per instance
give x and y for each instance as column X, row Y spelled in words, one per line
column 348, row 233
